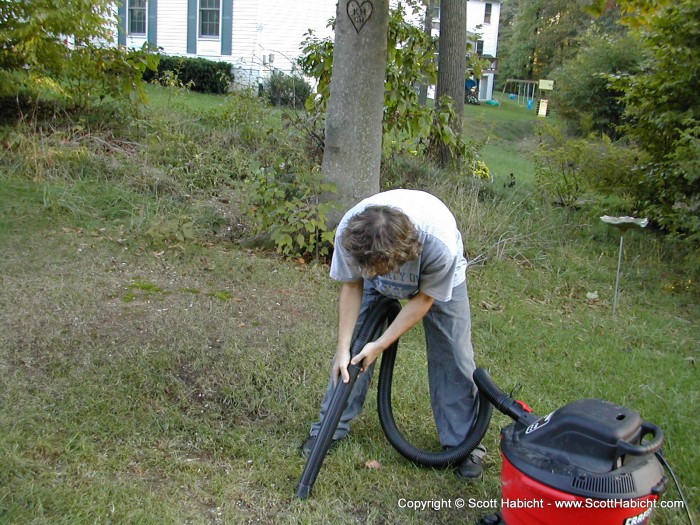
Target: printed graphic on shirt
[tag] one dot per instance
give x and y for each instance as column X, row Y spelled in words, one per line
column 399, row 285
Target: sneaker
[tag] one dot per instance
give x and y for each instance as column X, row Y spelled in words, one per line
column 308, row 445
column 470, row 469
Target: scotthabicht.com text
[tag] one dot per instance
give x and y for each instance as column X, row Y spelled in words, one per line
column 495, row 504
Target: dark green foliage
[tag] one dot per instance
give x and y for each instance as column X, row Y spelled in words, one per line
column 287, row 90
column 568, row 168
column 632, row 75
column 584, row 95
column 198, row 74
column 287, row 208
column 539, row 35
column 95, row 72
column 34, row 34
column 663, row 109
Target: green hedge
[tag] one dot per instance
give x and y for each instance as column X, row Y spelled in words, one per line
column 199, row 74
column 287, row 90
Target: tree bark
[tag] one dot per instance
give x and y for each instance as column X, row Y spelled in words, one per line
column 353, row 142
column 428, row 29
column 452, row 63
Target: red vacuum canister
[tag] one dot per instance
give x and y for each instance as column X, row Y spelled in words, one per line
column 586, row 463
column 582, row 464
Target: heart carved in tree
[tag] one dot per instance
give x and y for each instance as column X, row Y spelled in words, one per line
column 359, row 13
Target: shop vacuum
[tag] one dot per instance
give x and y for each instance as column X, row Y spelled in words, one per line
column 586, row 463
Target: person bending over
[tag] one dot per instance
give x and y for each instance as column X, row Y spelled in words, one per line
column 405, row 244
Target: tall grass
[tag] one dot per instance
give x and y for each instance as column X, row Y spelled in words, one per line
column 154, row 371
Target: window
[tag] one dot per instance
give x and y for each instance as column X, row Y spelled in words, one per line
column 479, row 47
column 487, row 13
column 137, row 17
column 209, row 17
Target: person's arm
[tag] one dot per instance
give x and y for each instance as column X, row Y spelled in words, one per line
column 348, row 312
column 408, row 317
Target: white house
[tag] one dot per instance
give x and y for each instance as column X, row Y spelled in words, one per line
column 255, row 36
column 259, row 35
column 482, row 25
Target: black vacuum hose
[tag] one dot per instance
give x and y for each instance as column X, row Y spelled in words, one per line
column 385, row 311
column 502, row 401
column 406, row 449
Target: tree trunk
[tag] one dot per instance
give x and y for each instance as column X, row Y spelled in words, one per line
column 452, row 63
column 428, row 28
column 353, row 143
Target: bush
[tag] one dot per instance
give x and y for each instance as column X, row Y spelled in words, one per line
column 287, row 90
column 566, row 168
column 91, row 76
column 662, row 112
column 94, row 72
column 286, row 208
column 198, row 74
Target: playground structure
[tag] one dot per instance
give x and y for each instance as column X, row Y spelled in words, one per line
column 525, row 91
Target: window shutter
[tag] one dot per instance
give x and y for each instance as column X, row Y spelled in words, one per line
column 153, row 21
column 192, row 26
column 121, row 23
column 226, row 26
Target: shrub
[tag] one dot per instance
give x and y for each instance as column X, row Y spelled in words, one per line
column 286, row 208
column 199, row 74
column 58, row 53
column 663, row 113
column 566, row 168
column 287, row 90
column 94, row 72
column 90, row 76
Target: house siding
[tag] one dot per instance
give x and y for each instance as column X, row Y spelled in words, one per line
column 259, row 30
column 284, row 28
column 246, row 55
column 488, row 33
column 252, row 30
column 275, row 27
column 172, row 26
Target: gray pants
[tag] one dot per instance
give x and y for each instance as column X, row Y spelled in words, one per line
column 453, row 395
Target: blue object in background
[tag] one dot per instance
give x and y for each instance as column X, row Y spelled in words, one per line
column 529, row 104
column 511, row 96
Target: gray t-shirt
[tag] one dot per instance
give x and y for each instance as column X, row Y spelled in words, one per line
column 441, row 265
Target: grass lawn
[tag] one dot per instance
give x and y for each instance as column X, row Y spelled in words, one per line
column 508, row 134
column 153, row 376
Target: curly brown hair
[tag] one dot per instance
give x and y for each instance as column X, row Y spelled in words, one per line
column 380, row 239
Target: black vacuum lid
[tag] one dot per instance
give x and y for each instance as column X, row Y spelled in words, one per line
column 588, row 447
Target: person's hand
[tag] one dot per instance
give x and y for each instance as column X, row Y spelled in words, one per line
column 369, row 355
column 340, row 365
